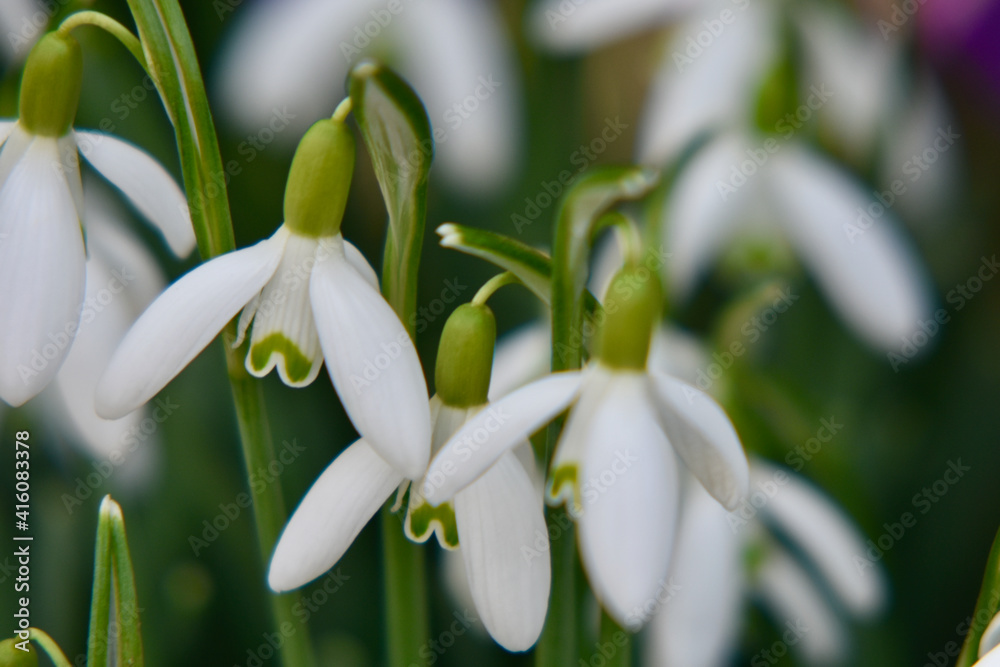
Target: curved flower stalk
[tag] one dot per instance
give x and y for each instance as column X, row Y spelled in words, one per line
column 616, row 461
column 724, row 560
column 123, row 278
column 748, row 183
column 455, row 53
column 42, row 254
column 492, row 519
column 310, row 296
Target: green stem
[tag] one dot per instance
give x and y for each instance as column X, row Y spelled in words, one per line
column 51, row 648
column 492, row 285
column 557, row 646
column 405, row 584
column 987, row 605
column 616, row 643
column 100, row 600
column 173, row 65
column 109, row 25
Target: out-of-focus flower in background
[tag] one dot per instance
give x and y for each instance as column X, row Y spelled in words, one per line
column 19, row 27
column 723, row 560
column 295, row 55
column 42, row 255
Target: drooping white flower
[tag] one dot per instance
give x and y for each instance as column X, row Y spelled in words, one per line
column 490, row 521
column 286, row 61
column 616, row 461
column 311, row 296
column 724, row 560
column 745, row 183
column 42, row 255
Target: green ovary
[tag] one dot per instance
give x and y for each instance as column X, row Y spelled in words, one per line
column 297, row 365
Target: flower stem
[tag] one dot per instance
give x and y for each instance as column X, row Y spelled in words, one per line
column 50, row 647
column 492, row 285
column 405, row 592
column 987, row 605
column 557, row 645
column 109, row 25
column 618, row 639
column 173, row 65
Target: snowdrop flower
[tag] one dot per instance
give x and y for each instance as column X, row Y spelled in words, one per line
column 745, row 183
column 615, row 462
column 21, row 23
column 492, row 519
column 42, row 256
column 310, row 295
column 725, row 559
column 292, row 55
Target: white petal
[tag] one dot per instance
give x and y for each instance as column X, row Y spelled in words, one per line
column 991, row 636
column 704, row 437
column 360, row 264
column 991, row 659
column 182, row 322
column 630, row 492
column 284, row 331
column 18, row 25
column 716, row 90
column 873, row 277
column 456, row 54
column 13, row 150
column 699, row 219
column 6, row 128
column 676, row 352
column 284, row 63
column 337, row 506
column 699, row 623
column 521, row 356
column 121, row 280
column 493, row 431
column 800, row 609
column 146, row 183
column 858, row 64
column 826, row 535
column 41, row 272
column 70, row 164
column 505, row 545
column 565, row 26
column 372, row 364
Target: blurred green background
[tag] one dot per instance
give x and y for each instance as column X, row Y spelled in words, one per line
column 900, row 429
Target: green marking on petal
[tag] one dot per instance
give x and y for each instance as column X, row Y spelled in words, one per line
column 425, row 519
column 561, row 476
column 297, row 365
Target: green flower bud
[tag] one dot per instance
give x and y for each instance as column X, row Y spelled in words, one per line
column 465, row 356
column 50, row 87
column 777, row 100
column 632, row 308
column 320, row 179
column 11, row 656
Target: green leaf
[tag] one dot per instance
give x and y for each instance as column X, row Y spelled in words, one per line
column 397, row 134
column 126, row 599
column 584, row 205
column 532, row 267
column 100, row 602
column 987, row 606
column 173, row 66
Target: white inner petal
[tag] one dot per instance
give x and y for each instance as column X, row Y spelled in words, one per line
column 284, row 331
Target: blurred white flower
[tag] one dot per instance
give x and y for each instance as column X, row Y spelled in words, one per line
column 744, row 182
column 42, row 255
column 989, row 653
column 22, row 22
column 724, row 559
column 294, row 55
column 309, row 299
